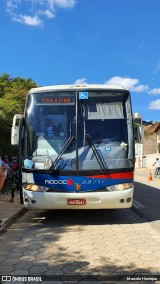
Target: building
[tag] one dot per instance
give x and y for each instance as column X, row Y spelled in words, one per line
column 138, row 155
column 151, row 144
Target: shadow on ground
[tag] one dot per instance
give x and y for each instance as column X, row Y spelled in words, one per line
column 149, row 196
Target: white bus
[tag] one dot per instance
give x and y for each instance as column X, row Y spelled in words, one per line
column 76, row 148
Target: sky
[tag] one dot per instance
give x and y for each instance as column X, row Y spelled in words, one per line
column 113, row 42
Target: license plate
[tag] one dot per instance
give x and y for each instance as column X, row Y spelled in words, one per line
column 76, row 201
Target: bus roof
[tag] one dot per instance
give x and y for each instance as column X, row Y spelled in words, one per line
column 76, row 87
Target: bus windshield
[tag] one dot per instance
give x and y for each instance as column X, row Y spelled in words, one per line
column 78, row 130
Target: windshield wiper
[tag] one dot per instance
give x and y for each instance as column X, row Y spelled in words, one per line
column 68, row 143
column 96, row 153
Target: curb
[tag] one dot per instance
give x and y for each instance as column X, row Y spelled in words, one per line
column 5, row 222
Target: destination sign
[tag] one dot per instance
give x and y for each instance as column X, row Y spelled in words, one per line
column 56, row 100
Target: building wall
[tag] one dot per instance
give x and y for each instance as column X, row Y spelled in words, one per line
column 158, row 136
column 138, row 155
column 150, row 143
column 150, row 147
column 149, row 161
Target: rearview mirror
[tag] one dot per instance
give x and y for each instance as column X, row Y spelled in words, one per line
column 138, row 127
column 15, row 129
column 15, row 135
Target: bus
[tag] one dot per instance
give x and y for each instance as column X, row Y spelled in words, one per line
column 76, row 147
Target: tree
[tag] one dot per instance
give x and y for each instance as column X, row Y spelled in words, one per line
column 13, row 93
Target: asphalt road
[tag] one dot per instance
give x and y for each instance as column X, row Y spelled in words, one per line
column 147, row 197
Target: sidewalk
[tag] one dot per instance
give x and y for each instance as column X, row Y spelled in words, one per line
column 142, row 175
column 9, row 211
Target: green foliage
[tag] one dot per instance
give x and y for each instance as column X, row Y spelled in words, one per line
column 159, row 147
column 13, row 93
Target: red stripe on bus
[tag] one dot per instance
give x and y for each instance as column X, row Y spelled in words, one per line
column 115, row 175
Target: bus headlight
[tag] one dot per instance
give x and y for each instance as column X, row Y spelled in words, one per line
column 120, row 187
column 35, row 187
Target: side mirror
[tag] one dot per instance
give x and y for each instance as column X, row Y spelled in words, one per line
column 15, row 129
column 15, row 135
column 138, row 128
